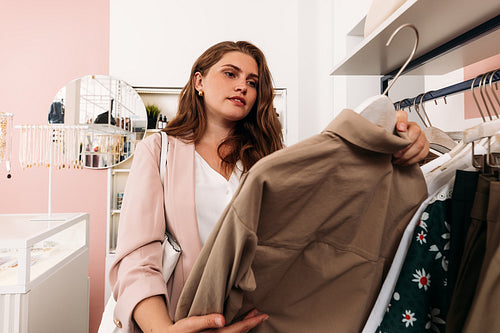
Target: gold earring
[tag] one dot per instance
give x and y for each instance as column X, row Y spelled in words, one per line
column 200, row 93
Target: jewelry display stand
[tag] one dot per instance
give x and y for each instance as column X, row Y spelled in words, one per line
column 53, row 146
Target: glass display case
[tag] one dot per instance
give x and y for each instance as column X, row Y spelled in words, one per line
column 44, row 285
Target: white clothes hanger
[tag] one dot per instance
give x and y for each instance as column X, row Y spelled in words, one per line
column 458, row 157
column 437, row 138
column 379, row 109
column 481, row 131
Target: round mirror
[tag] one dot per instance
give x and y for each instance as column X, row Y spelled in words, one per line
column 108, row 111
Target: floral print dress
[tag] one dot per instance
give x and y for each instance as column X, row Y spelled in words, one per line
column 420, row 300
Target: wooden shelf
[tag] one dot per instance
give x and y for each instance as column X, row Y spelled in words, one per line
column 437, row 22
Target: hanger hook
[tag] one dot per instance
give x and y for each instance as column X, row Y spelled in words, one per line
column 482, row 85
column 475, row 99
column 493, row 92
column 416, row 107
column 423, row 109
column 415, row 45
column 409, row 104
column 398, row 105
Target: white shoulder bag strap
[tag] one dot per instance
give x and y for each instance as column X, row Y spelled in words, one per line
column 171, row 249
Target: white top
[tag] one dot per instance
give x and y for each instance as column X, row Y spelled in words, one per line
column 212, row 194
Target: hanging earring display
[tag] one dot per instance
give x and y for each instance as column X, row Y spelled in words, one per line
column 6, row 140
column 37, row 141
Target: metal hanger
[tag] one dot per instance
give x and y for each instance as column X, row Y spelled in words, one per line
column 438, row 139
column 486, row 129
column 415, row 106
column 482, row 84
column 421, row 105
column 496, row 85
column 415, row 45
column 475, row 99
column 493, row 93
column 379, row 109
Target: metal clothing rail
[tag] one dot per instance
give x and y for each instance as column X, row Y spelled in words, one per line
column 466, row 38
column 447, row 91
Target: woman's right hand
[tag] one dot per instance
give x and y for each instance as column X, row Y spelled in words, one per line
column 215, row 323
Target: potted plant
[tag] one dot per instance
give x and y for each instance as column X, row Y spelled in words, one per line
column 152, row 111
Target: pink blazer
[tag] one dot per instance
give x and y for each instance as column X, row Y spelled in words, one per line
column 136, row 272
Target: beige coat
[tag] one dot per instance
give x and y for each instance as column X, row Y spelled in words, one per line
column 136, row 273
column 310, row 234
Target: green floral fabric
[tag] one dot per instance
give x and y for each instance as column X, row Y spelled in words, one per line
column 420, row 300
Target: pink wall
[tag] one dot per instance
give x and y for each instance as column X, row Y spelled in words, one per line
column 471, row 72
column 44, row 45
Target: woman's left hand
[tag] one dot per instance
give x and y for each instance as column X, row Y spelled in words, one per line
column 419, row 147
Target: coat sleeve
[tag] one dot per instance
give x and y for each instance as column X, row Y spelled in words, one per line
column 136, row 272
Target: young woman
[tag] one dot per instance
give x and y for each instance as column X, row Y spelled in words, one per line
column 225, row 123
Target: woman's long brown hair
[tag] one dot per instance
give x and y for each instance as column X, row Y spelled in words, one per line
column 257, row 135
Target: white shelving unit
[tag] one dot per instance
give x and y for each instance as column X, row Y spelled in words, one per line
column 167, row 100
column 117, row 179
column 437, row 23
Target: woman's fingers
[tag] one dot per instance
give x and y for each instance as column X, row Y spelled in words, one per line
column 215, row 323
column 250, row 321
column 419, row 147
column 416, row 151
column 198, row 323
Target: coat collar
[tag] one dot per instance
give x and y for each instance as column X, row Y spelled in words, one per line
column 359, row 131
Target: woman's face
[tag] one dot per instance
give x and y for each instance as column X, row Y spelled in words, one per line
column 229, row 88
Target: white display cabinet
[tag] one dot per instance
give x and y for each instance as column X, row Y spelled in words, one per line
column 44, row 284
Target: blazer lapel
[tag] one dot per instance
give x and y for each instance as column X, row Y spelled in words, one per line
column 180, row 202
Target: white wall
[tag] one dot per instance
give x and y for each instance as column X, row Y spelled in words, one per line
column 346, row 17
column 315, row 36
column 155, row 42
column 448, row 116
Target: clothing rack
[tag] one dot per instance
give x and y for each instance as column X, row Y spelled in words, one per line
column 466, row 38
column 447, row 91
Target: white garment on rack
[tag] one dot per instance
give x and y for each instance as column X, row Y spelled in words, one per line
column 461, row 161
column 435, row 163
